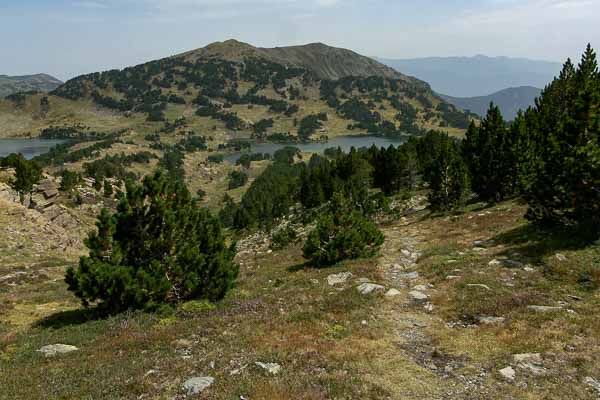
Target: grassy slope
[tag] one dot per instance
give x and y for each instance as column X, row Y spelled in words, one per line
column 331, row 342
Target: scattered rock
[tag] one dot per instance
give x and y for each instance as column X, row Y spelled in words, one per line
column 410, row 275
column 452, row 277
column 544, row 309
column 421, row 288
column 479, row 285
column 428, row 307
column 54, row 349
column 392, row 293
column 338, row 279
column 271, row 368
column 506, row 263
column 238, row 371
column 535, row 358
column 512, row 263
column 560, row 257
column 197, row 385
column 531, row 362
column 368, row 288
column 151, row 372
column 418, row 297
column 491, row 320
column 508, row 373
column 593, row 383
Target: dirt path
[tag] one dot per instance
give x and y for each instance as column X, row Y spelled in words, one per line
column 421, row 370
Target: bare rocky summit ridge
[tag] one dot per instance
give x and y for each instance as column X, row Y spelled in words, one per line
column 326, row 62
column 38, row 82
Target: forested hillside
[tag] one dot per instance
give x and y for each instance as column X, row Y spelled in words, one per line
column 309, row 92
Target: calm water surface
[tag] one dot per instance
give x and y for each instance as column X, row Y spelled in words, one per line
column 34, row 147
column 28, row 147
column 344, row 142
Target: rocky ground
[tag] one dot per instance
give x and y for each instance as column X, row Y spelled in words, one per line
column 476, row 305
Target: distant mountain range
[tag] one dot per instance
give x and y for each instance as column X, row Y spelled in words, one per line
column 39, row 82
column 509, row 100
column 477, row 76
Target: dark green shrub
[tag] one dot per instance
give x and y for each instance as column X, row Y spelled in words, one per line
column 283, row 237
column 237, row 179
column 27, row 174
column 215, row 158
column 342, row 233
column 159, row 247
column 69, row 180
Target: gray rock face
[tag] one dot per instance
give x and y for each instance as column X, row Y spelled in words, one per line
column 418, row 297
column 368, row 288
column 271, row 368
column 54, row 349
column 197, row 384
column 392, row 293
column 338, row 279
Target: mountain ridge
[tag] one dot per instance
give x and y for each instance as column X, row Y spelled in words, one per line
column 311, row 56
column 23, row 83
column 510, row 101
column 478, row 75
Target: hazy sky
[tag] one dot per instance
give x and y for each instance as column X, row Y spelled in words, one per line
column 70, row 37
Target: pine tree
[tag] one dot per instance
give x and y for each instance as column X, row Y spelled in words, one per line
column 108, row 189
column 158, row 247
column 447, row 176
column 342, row 232
column 27, row 174
column 489, row 151
column 560, row 172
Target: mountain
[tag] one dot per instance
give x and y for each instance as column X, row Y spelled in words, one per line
column 509, row 100
column 324, row 61
column 477, row 76
column 232, row 89
column 39, row 82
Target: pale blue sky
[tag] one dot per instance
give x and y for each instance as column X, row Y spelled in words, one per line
column 70, row 37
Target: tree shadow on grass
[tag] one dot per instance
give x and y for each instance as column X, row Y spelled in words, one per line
column 301, row 267
column 71, row 317
column 536, row 242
